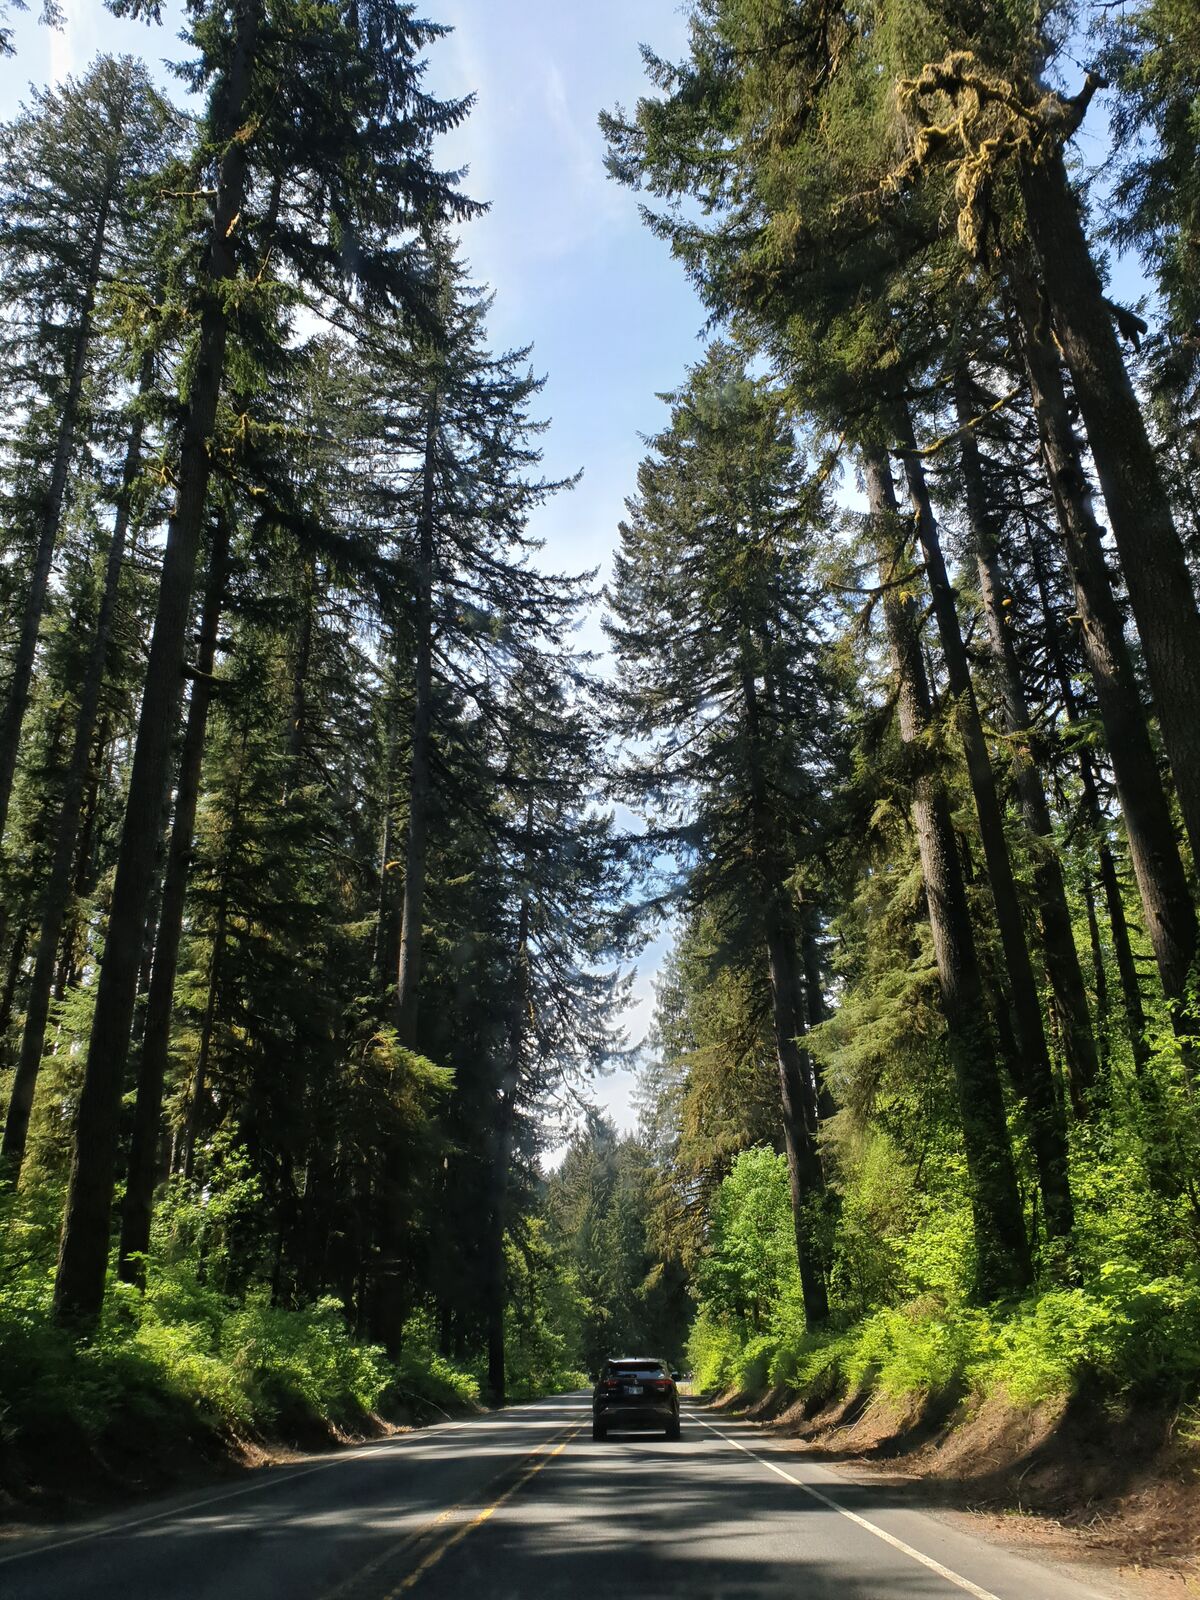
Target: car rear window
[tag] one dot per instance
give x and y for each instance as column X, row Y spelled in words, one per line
column 646, row 1368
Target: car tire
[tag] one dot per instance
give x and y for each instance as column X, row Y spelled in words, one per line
column 599, row 1431
column 673, row 1431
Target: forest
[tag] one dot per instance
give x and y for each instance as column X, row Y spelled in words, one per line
column 326, row 848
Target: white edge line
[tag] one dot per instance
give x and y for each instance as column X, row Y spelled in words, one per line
column 380, row 1447
column 871, row 1527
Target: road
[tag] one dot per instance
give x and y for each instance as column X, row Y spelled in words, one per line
column 522, row 1504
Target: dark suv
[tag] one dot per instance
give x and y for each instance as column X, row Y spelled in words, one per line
column 637, row 1392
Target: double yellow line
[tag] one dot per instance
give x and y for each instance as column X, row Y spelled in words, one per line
column 354, row 1586
column 432, row 1557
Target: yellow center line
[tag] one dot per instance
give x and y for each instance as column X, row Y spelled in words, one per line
column 353, row 1584
column 432, row 1558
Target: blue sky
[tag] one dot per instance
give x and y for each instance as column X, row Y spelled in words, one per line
column 611, row 317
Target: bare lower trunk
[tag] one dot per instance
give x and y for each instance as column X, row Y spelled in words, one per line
column 388, row 1300
column 1035, row 1080
column 806, row 1179
column 797, row 1082
column 86, row 864
column 1058, row 939
column 497, row 1274
column 58, row 887
column 298, row 716
column 51, row 520
column 1001, row 1246
column 12, row 977
column 1131, row 989
column 814, row 998
column 144, row 1163
column 198, row 1093
column 1139, row 511
column 1153, row 847
column 1099, row 970
column 83, row 1253
column 408, row 976
column 387, row 932
column 1114, row 901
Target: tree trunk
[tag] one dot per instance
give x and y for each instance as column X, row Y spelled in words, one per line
column 806, row 1179
column 814, row 1004
column 387, row 931
column 1099, row 972
column 1131, row 989
column 58, row 887
column 185, row 1150
column 137, row 1212
column 1001, row 1246
column 497, row 1276
column 420, row 786
column 12, row 977
column 298, row 714
column 1058, row 939
column 1153, row 848
column 83, row 1253
column 100, row 774
column 199, row 1087
column 35, row 599
column 1139, row 511
column 388, row 1300
column 797, row 1083
column 1035, row 1081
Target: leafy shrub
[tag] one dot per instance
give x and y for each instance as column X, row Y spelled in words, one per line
column 184, row 1356
column 1133, row 1322
column 302, row 1363
column 749, row 1266
column 543, row 1318
column 422, row 1373
column 1122, row 1332
column 714, row 1353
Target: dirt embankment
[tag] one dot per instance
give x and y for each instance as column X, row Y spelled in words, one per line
column 62, row 1471
column 1113, row 1487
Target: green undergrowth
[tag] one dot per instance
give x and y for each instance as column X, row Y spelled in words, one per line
column 1119, row 1318
column 1120, row 1335
column 185, row 1362
column 206, row 1359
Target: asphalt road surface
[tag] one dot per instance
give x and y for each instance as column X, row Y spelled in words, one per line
column 522, row 1505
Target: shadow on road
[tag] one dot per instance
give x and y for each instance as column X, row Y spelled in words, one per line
column 516, row 1505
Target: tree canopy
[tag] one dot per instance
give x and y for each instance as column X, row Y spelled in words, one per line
column 325, row 848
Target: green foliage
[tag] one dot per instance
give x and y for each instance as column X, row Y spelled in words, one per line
column 1154, row 53
column 385, row 615
column 186, row 1357
column 714, row 1353
column 908, row 1330
column 320, row 1171
column 543, row 1317
column 749, row 1272
column 627, row 1301
column 423, row 1373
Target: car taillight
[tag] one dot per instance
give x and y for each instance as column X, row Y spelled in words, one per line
column 609, row 1383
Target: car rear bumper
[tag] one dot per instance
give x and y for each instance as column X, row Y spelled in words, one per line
column 634, row 1414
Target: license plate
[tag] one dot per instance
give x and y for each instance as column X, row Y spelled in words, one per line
column 634, row 1388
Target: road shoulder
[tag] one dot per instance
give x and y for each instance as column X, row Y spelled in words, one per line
column 1109, row 1496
